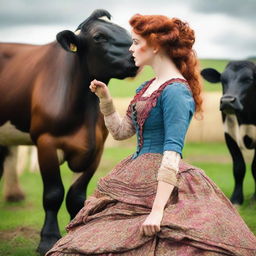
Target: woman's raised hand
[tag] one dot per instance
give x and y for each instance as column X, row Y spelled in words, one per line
column 100, row 89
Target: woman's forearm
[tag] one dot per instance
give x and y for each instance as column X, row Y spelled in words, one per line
column 119, row 128
column 163, row 193
column 167, row 179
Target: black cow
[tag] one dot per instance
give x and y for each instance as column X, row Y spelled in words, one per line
column 44, row 91
column 238, row 107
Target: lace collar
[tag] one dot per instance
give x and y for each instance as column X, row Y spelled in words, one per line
column 173, row 80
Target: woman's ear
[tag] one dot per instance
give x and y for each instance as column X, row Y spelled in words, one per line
column 155, row 49
column 68, row 40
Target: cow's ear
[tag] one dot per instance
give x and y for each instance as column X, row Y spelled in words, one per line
column 211, row 75
column 68, row 40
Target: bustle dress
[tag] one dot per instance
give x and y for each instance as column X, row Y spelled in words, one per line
column 198, row 219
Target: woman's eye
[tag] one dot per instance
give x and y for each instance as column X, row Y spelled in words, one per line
column 135, row 41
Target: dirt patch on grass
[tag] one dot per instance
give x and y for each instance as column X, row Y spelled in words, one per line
column 26, row 232
column 20, row 206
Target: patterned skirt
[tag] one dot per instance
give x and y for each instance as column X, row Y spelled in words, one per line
column 198, row 218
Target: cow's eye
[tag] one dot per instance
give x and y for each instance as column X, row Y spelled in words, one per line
column 246, row 80
column 100, row 38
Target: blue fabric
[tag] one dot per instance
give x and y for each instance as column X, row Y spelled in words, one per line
column 167, row 123
column 141, row 86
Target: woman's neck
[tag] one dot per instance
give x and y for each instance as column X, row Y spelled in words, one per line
column 164, row 68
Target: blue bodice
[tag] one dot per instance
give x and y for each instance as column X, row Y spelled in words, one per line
column 162, row 119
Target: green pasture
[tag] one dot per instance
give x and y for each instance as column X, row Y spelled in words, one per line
column 126, row 87
column 20, row 223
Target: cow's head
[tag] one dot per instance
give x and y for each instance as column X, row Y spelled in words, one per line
column 238, row 85
column 102, row 46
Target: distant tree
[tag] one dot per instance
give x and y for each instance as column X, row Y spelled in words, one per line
column 252, row 58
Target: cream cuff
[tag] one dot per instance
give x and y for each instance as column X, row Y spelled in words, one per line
column 169, row 168
column 107, row 106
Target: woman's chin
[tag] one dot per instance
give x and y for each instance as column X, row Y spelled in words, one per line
column 137, row 64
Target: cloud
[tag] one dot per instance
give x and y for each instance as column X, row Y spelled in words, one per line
column 224, row 28
column 19, row 13
column 234, row 8
column 234, row 43
column 58, row 11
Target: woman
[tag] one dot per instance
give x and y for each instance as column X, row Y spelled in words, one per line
column 152, row 203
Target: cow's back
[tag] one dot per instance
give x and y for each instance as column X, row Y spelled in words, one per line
column 19, row 69
column 10, row 51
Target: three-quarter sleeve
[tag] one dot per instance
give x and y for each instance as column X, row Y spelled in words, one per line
column 119, row 128
column 178, row 108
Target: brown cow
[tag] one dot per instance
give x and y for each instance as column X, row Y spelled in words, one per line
column 44, row 91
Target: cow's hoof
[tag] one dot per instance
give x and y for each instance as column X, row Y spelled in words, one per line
column 253, row 201
column 253, row 198
column 46, row 244
column 17, row 197
column 237, row 200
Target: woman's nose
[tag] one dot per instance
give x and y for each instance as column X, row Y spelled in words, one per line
column 130, row 50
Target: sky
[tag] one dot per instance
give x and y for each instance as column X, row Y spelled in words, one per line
column 224, row 28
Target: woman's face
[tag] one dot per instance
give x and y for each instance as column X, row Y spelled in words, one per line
column 143, row 54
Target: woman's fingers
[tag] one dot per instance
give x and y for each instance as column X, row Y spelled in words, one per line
column 149, row 230
column 157, row 229
column 92, row 87
column 152, row 223
column 97, row 83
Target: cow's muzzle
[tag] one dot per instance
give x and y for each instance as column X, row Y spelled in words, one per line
column 133, row 70
column 230, row 104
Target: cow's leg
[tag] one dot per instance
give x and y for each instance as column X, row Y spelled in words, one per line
column 53, row 193
column 12, row 189
column 254, row 173
column 3, row 154
column 77, row 192
column 239, row 168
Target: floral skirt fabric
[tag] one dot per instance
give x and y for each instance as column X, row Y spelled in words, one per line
column 198, row 218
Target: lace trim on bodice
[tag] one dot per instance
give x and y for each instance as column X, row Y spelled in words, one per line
column 148, row 102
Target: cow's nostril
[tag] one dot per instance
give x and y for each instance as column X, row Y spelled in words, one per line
column 232, row 99
column 230, row 104
column 228, row 99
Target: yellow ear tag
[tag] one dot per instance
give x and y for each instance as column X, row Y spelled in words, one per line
column 73, row 48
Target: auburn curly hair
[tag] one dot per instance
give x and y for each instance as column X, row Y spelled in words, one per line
column 177, row 38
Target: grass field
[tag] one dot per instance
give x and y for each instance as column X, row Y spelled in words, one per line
column 126, row 88
column 20, row 223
